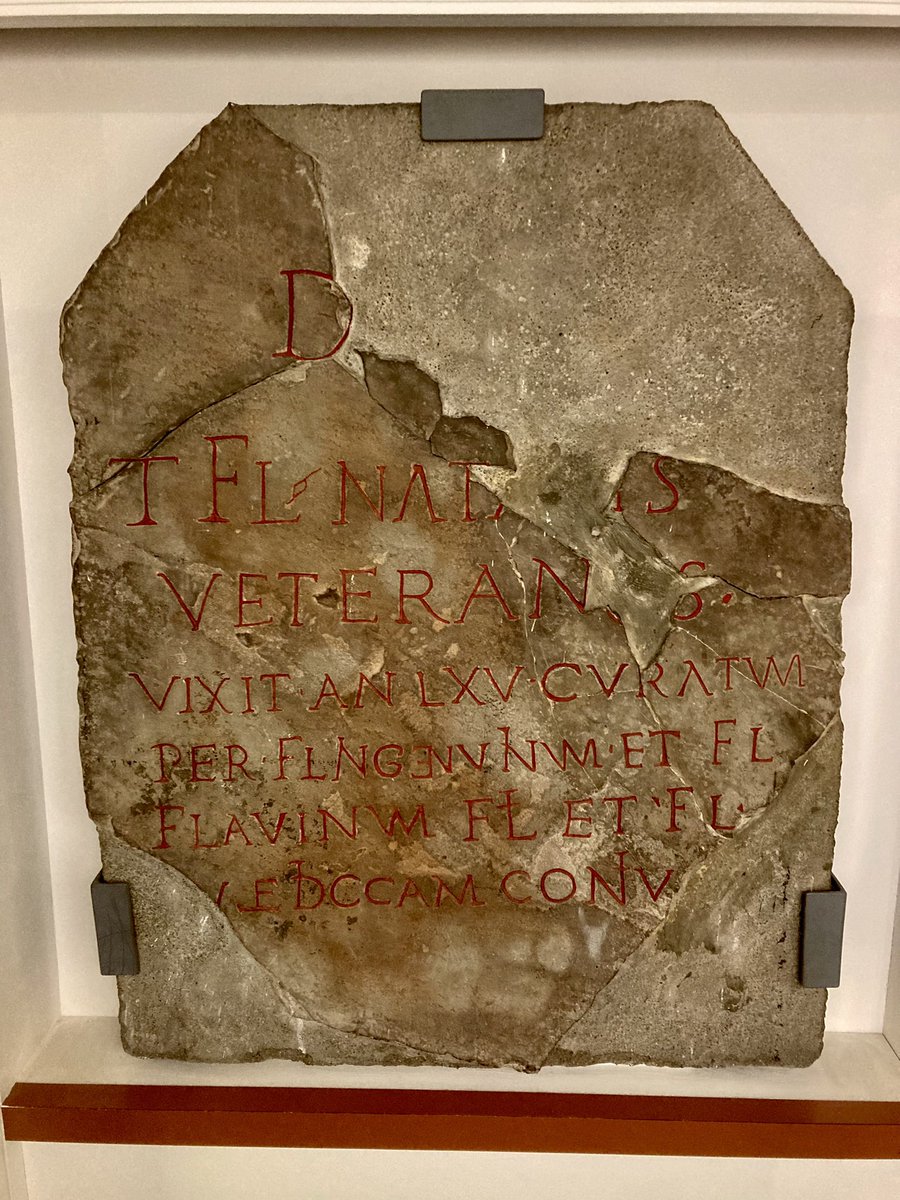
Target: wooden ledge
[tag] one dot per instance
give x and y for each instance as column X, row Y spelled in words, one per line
column 394, row 1119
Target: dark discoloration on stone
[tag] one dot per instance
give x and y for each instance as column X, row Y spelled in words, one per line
column 469, row 439
column 406, row 392
column 760, row 542
column 187, row 304
column 666, row 740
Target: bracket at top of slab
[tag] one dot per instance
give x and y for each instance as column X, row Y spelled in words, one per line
column 482, row 114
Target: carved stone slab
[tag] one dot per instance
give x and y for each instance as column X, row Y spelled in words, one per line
column 459, row 552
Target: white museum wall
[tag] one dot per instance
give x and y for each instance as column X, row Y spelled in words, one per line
column 29, row 993
column 87, row 122
column 88, row 119
column 193, row 1173
column 892, row 1004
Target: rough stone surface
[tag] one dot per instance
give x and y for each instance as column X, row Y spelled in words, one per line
column 460, row 683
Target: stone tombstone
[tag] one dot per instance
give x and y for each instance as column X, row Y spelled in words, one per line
column 459, row 552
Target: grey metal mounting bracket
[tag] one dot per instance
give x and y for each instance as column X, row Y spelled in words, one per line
column 114, row 925
column 482, row 114
column 821, row 936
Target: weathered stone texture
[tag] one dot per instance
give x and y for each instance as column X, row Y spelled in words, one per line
column 527, row 453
